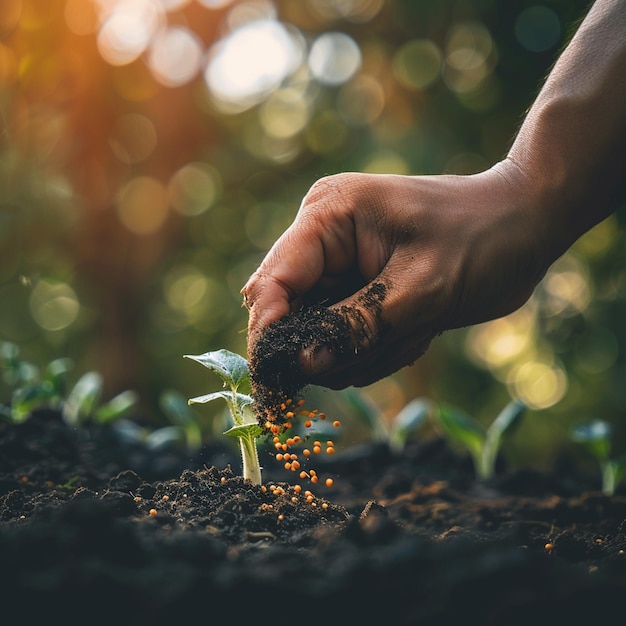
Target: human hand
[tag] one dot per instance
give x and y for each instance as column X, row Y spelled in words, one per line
column 402, row 259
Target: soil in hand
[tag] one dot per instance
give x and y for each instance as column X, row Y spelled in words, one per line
column 275, row 371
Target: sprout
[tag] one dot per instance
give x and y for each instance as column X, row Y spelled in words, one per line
column 234, row 372
column 482, row 443
column 596, row 436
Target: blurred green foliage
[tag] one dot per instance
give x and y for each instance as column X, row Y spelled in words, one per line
column 151, row 151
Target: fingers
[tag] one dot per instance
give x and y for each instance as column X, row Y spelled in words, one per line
column 383, row 338
column 382, row 361
column 292, row 267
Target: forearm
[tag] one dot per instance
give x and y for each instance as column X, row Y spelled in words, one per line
column 569, row 150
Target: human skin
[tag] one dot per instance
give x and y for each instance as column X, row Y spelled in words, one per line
column 452, row 251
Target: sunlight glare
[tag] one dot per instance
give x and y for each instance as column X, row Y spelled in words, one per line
column 128, row 30
column 175, row 56
column 250, row 63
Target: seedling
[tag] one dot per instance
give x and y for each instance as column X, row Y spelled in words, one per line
column 483, row 443
column 247, row 426
column 233, row 370
column 396, row 430
column 596, row 436
column 33, row 388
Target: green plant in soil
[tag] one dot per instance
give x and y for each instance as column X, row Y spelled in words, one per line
column 396, row 430
column 235, row 374
column 483, row 443
column 596, row 436
column 33, row 387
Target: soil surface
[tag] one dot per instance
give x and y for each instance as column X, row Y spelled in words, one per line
column 95, row 531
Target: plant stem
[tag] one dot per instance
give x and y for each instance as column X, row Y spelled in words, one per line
column 250, row 458
column 608, row 478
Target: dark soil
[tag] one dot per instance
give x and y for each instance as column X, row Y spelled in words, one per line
column 275, row 371
column 92, row 531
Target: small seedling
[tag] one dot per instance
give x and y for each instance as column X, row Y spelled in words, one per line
column 34, row 388
column 233, row 370
column 596, row 436
column 247, row 427
column 396, row 430
column 483, row 443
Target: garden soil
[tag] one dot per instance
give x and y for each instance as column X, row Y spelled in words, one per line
column 95, row 531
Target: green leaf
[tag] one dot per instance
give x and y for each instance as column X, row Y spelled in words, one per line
column 462, row 428
column 619, row 467
column 165, row 437
column 409, row 419
column 56, row 372
column 83, row 398
column 29, row 398
column 596, row 435
column 232, row 368
column 245, row 430
column 176, row 408
column 242, row 399
column 117, row 407
column 364, row 409
column 508, row 419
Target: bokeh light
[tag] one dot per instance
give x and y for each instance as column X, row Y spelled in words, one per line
column 54, row 305
column 142, row 205
column 503, row 341
column 417, row 64
column 540, row 385
column 175, row 56
column 194, row 188
column 361, row 100
column 334, row 58
column 128, row 29
column 357, row 11
column 285, row 113
column 538, row 28
column 470, row 56
column 250, row 63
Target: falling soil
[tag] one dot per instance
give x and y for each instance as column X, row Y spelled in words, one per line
column 93, row 530
column 275, row 371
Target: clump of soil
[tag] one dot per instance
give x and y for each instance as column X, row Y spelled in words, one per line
column 275, row 371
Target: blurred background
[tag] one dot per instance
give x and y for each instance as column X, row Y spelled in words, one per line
column 151, row 151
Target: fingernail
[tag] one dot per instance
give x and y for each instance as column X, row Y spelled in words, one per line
column 316, row 361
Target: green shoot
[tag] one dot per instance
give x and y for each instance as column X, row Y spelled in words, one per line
column 409, row 419
column 176, row 408
column 394, row 431
column 483, row 443
column 233, row 370
column 33, row 388
column 596, row 436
